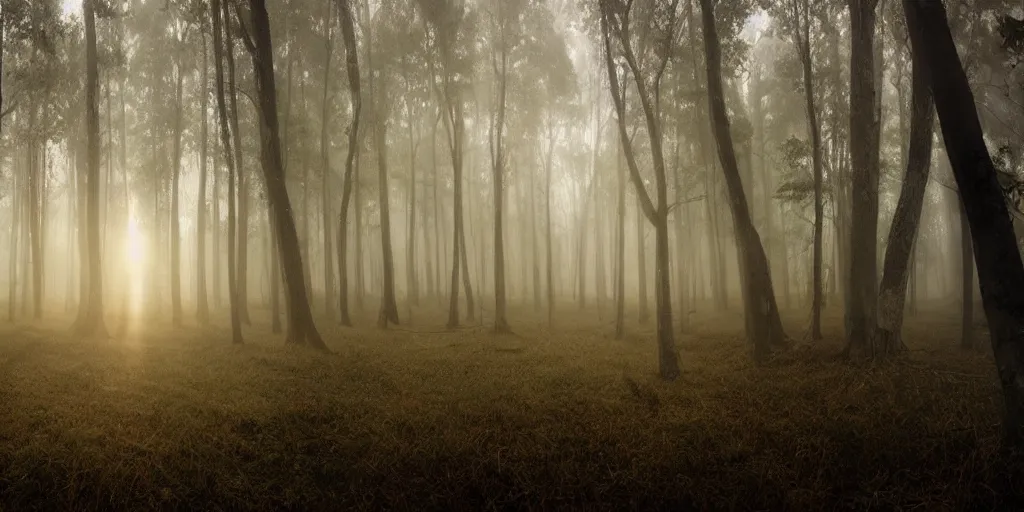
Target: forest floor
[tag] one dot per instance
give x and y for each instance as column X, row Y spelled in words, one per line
column 420, row 418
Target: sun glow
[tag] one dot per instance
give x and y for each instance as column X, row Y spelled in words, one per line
column 135, row 259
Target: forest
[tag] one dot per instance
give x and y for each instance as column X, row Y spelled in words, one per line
column 511, row 254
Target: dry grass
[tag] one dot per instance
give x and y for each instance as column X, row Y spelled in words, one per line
column 564, row 418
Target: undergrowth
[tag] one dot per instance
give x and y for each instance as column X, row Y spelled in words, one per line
column 545, row 418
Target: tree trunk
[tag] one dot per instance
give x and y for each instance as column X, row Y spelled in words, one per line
column 301, row 328
column 229, row 158
column 620, row 250
column 903, row 231
column 864, row 156
column 498, row 169
column 352, row 69
column 91, row 321
column 175, row 223
column 547, row 224
column 1000, row 270
column 241, row 258
column 325, row 173
column 657, row 213
column 802, row 37
column 202, row 303
column 388, row 306
column 764, row 327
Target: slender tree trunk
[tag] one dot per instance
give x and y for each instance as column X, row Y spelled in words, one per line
column 241, row 258
column 802, row 37
column 91, row 322
column 12, row 291
column 388, row 306
column 175, row 224
column 549, row 264
column 352, row 69
column 229, row 158
column 620, row 250
column 498, row 169
column 904, row 228
column 641, row 266
column 325, row 172
column 202, row 303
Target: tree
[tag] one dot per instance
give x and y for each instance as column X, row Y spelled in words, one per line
column 1000, row 270
column 352, row 69
column 90, row 317
column 325, row 168
column 903, row 231
column 202, row 301
column 499, row 65
column 615, row 18
column 219, row 12
column 301, row 328
column 865, row 131
column 764, row 328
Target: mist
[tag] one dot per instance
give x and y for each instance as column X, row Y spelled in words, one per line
column 511, row 254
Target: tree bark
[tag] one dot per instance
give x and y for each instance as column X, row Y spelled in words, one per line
column 903, row 231
column 241, row 258
column 220, row 11
column 301, row 328
column 90, row 321
column 764, row 327
column 1000, row 270
column 388, row 306
column 175, row 223
column 352, row 69
column 864, row 138
column 802, row 37
column 657, row 214
column 325, row 170
column 202, row 302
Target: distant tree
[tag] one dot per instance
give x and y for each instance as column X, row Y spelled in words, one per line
column 352, row 69
column 90, row 318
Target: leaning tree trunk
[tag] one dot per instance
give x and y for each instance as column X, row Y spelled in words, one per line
column 301, row 328
column 903, row 231
column 1000, row 270
column 762, row 313
column 229, row 158
column 864, row 157
column 352, row 68
column 90, row 321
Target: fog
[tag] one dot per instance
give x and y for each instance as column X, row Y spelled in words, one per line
column 788, row 173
